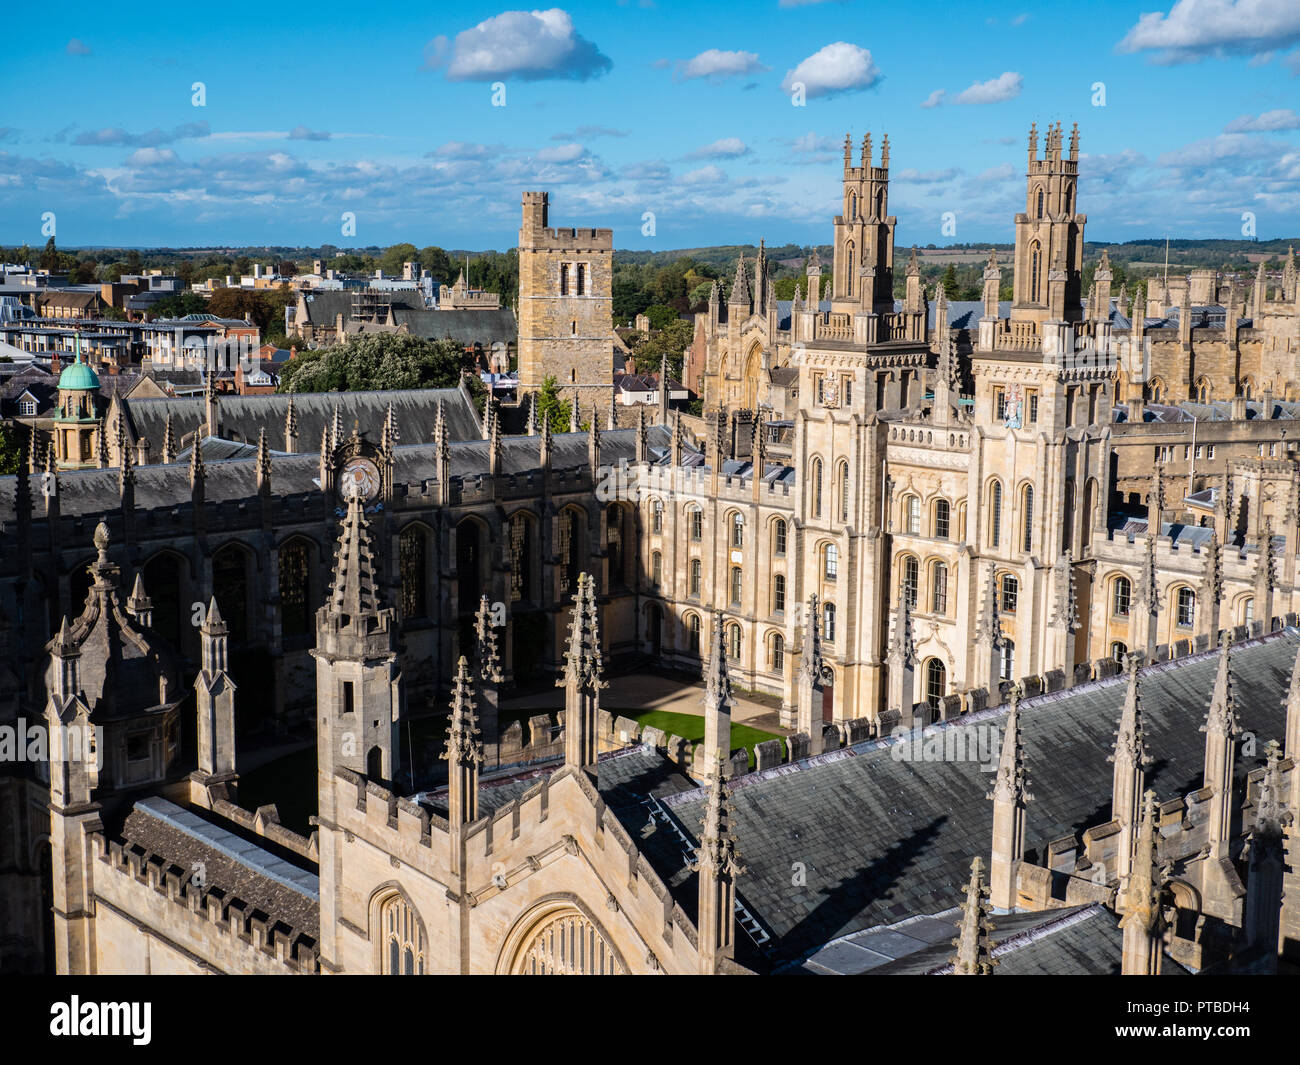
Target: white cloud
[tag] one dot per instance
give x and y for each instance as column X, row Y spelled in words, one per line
column 837, row 68
column 302, row 133
column 811, row 142
column 530, row 45
column 1213, row 150
column 459, row 150
column 562, row 153
column 716, row 65
column 926, row 177
column 143, row 157
column 1268, row 122
column 77, row 46
column 1005, row 86
column 154, row 137
column 726, row 148
column 934, row 99
column 705, row 175
column 1195, row 29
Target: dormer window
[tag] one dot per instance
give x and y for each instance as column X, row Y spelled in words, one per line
column 27, row 407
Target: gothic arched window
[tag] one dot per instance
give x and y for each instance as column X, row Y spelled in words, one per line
column 1121, row 597
column 939, row 588
column 1041, row 203
column 817, row 487
column 911, row 580
column 995, row 514
column 402, row 952
column 733, row 641
column 778, row 536
column 1027, row 513
column 778, row 653
column 936, row 682
column 778, row 594
column 1035, row 270
column 412, row 551
column 522, row 549
column 942, row 519
column 693, row 633
column 696, row 575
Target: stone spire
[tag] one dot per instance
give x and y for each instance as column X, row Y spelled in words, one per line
column 101, row 447
column 291, row 427
column 336, row 429
column 581, row 679
column 544, row 446
column 355, row 592
column 1265, row 880
column 125, row 471
column 574, row 415
column 663, row 390
column 988, row 639
column 901, row 664
column 642, row 437
column 717, row 700
column 740, row 293
column 593, row 443
column 488, row 666
column 1213, row 590
column 1140, row 901
column 139, row 605
column 717, row 864
column 974, row 955
column 198, row 474
column 1221, row 728
column 494, row 442
column 391, row 435
column 214, row 694
column 1146, row 610
column 464, row 752
column 489, row 416
column 611, row 420
column 212, row 408
column 169, row 441
column 1010, row 795
column 808, row 684
column 1130, row 758
column 263, row 463
column 532, row 414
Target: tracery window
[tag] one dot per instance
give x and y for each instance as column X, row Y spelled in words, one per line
column 295, row 611
column 411, row 551
column 403, row 939
column 521, row 558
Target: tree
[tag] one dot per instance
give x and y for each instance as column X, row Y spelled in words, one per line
column 178, row 306
column 670, row 342
column 134, row 265
column 392, row 261
column 377, row 361
column 552, row 407
column 50, row 258
column 949, row 281
column 10, row 449
column 661, row 316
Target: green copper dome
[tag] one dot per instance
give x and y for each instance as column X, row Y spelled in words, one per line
column 79, row 376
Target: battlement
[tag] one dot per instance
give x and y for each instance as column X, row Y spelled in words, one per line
column 177, row 899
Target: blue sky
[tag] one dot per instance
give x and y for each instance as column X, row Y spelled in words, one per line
column 680, row 109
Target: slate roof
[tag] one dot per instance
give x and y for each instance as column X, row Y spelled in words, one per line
column 1217, row 411
column 467, row 327
column 1077, row 941
column 231, row 864
column 883, row 838
column 416, row 411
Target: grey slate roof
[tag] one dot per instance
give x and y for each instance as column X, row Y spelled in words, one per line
column 231, row 864
column 883, row 838
column 467, row 327
column 416, row 411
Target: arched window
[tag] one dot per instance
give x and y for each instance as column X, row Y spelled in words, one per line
column 697, row 523
column 1010, row 593
column 831, row 561
column 1008, row 660
column 936, row 682
column 844, row 491
column 778, row 653
column 939, row 589
column 1027, row 516
column 942, row 523
column 1203, row 390
column 230, row 586
column 656, row 569
column 523, row 550
column 1157, row 385
column 414, row 566
column 911, row 580
column 853, row 205
column 1041, row 203
column 735, row 585
column 1035, row 270
column 828, row 622
column 657, row 516
column 737, row 530
column 295, row 586
column 849, row 268
column 817, row 487
column 402, row 953
column 778, row 594
column 733, row 641
column 696, row 571
column 1186, row 608
column 693, row 633
column 1247, row 388
column 995, row 514
column 1118, row 651
column 912, row 515
column 614, row 545
column 1121, row 597
column 778, row 536
column 1247, row 610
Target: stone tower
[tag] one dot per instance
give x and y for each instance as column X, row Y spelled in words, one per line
column 565, row 305
column 358, row 681
column 1049, row 234
column 864, row 234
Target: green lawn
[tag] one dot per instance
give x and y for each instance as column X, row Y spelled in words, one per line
column 690, row 727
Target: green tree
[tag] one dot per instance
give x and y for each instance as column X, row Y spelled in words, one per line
column 178, row 306
column 377, row 361
column 392, row 261
column 134, row 264
column 10, row 448
column 552, row 407
column 50, row 258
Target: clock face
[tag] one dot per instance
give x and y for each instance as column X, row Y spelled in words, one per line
column 360, row 478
